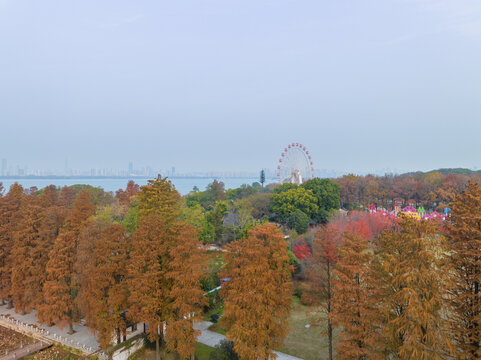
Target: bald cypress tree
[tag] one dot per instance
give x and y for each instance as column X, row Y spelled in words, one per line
column 27, row 255
column 9, row 212
column 36, row 228
column 147, row 282
column 102, row 274
column 85, row 269
column 258, row 295
column 184, row 272
column 415, row 277
column 358, row 293
column 164, row 282
column 159, row 197
column 464, row 249
column 319, row 274
column 60, row 288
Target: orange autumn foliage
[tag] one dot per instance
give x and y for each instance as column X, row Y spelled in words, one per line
column 258, row 294
column 464, row 249
column 164, row 281
column 415, row 277
column 357, row 293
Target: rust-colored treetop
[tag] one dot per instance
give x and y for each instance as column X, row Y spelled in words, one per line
column 415, row 277
column 357, row 292
column 464, row 251
column 258, row 294
column 159, row 197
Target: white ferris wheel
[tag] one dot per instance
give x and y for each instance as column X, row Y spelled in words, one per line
column 295, row 165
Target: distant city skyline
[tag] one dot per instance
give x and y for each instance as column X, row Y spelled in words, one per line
column 130, row 170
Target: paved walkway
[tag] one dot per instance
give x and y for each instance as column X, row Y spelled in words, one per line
column 211, row 338
column 83, row 339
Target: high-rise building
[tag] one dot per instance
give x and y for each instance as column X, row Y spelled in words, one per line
column 4, row 167
column 173, row 171
column 131, row 168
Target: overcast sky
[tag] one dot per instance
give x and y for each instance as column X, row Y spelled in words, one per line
column 225, row 85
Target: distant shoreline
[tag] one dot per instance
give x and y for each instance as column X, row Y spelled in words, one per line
column 60, row 177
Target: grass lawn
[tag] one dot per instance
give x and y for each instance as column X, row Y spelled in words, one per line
column 219, row 309
column 306, row 343
column 216, row 328
column 202, row 352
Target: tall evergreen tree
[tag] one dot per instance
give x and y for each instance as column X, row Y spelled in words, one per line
column 147, row 276
column 258, row 295
column 60, row 288
column 319, row 274
column 164, row 282
column 159, row 197
column 103, row 291
column 27, row 255
column 185, row 296
column 357, row 291
column 415, row 283
column 9, row 212
column 58, row 307
column 464, row 249
column 262, row 179
column 85, row 269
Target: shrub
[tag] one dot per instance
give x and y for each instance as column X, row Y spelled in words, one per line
column 224, row 351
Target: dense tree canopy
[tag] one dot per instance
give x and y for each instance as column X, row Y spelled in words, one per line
column 464, row 253
column 284, row 204
column 258, row 295
column 396, row 288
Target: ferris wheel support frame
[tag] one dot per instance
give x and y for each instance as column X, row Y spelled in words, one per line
column 304, row 151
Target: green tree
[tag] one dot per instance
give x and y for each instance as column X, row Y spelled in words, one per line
column 327, row 193
column 285, row 187
column 224, row 351
column 262, row 179
column 196, row 216
column 216, row 219
column 298, row 221
column 284, row 204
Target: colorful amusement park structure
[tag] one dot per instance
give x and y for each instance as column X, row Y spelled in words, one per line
column 411, row 211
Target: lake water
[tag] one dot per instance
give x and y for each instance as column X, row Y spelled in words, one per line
column 183, row 185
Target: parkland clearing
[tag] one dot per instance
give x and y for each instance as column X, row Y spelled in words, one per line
column 358, row 267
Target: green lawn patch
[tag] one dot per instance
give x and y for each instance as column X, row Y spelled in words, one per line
column 216, row 328
column 202, row 352
column 219, row 309
column 307, row 343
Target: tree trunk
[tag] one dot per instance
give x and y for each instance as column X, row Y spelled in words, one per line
column 10, row 304
column 70, row 328
column 157, row 350
column 329, row 325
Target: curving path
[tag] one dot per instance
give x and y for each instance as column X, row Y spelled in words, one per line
column 211, row 338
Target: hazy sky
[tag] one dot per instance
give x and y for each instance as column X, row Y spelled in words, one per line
column 225, row 85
